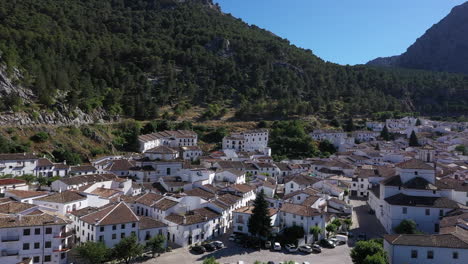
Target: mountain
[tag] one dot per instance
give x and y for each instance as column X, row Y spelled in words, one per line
column 444, row 47
column 147, row 58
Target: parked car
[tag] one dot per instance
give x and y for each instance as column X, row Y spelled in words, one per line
column 291, row 248
column 305, row 249
column 345, row 233
column 209, row 247
column 232, row 237
column 218, row 244
column 199, row 249
column 316, row 248
column 333, row 240
column 277, row 246
column 327, row 243
column 342, row 239
column 268, row 244
column 306, row 262
column 270, row 262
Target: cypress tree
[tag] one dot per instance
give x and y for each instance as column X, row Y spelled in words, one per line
column 413, row 140
column 260, row 220
column 385, row 134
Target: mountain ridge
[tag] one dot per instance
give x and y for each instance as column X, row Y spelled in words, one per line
column 443, row 47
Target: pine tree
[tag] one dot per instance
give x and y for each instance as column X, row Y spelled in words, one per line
column 413, row 140
column 418, row 122
column 260, row 220
column 349, row 127
column 385, row 134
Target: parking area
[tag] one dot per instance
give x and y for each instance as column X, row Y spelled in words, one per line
column 233, row 252
column 364, row 222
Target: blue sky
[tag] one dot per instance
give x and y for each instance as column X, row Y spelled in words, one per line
column 344, row 31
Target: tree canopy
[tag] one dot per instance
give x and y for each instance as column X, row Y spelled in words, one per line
column 93, row 252
column 366, row 251
column 260, row 221
column 407, row 226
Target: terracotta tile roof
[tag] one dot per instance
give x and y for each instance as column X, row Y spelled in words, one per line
column 105, row 193
column 87, row 179
column 414, row 164
column 200, row 193
column 11, row 182
column 309, row 201
column 421, row 201
column 43, row 162
column 18, row 156
column 112, row 215
column 121, row 165
column 248, row 210
column 83, row 168
column 298, row 209
column 149, row 223
column 419, row 183
column 243, row 188
column 63, row 197
column 148, row 199
column 162, row 150
column 440, row 240
column 229, row 199
column 30, row 220
column 25, row 194
column 308, row 191
column 14, row 207
column 302, row 179
column 193, row 217
column 449, row 183
column 165, row 204
column 392, row 181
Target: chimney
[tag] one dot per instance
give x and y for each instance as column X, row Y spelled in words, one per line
column 184, row 221
column 55, row 218
column 19, row 217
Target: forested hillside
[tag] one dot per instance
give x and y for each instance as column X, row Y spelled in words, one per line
column 131, row 57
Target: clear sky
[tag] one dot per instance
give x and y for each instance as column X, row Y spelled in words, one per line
column 344, row 31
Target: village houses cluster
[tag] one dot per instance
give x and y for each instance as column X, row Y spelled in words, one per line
column 175, row 189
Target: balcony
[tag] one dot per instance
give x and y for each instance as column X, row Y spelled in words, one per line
column 10, row 238
column 10, row 252
column 64, row 234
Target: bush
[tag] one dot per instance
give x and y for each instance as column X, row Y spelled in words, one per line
column 40, row 137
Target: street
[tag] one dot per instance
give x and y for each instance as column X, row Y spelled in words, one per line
column 363, row 222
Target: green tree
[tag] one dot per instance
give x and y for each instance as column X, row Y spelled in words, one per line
column 42, row 181
column 292, row 234
column 462, row 149
column 385, row 135
column 331, row 228
column 378, row 258
column 260, row 221
column 363, row 249
column 156, row 244
column 337, row 223
column 40, row 137
column 407, row 226
column 348, row 222
column 127, row 249
column 413, row 140
column 418, row 122
column 349, row 125
column 316, row 231
column 93, row 252
column 210, row 260
column 29, row 178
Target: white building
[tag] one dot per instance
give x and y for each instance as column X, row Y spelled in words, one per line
column 25, row 196
column 13, row 184
column 17, row 164
column 63, row 203
column 250, row 141
column 304, row 216
column 242, row 215
column 179, row 138
column 41, row 237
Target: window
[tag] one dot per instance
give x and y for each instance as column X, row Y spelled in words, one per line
column 26, row 246
column 415, row 173
column 428, row 211
column 62, row 255
column 37, row 231
column 133, row 225
column 114, row 236
column 240, row 228
column 292, row 185
column 48, row 244
column 48, row 230
column 26, row 232
column 405, row 210
column 114, row 227
column 36, row 259
column 101, row 229
column 414, row 254
column 298, row 198
column 441, row 212
column 455, row 255
column 122, row 226
column 47, row 258
column 101, row 238
column 430, row 254
column 37, row 245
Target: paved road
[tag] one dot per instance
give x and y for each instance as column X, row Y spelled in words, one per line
column 363, row 222
column 232, row 253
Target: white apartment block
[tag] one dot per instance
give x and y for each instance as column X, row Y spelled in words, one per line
column 41, row 237
column 242, row 215
column 179, row 138
column 249, row 141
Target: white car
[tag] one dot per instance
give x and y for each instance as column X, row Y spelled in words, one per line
column 277, row 246
column 232, row 237
column 305, row 249
column 218, row 244
column 291, row 248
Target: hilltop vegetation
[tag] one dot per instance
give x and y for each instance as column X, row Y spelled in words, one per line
column 131, row 57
